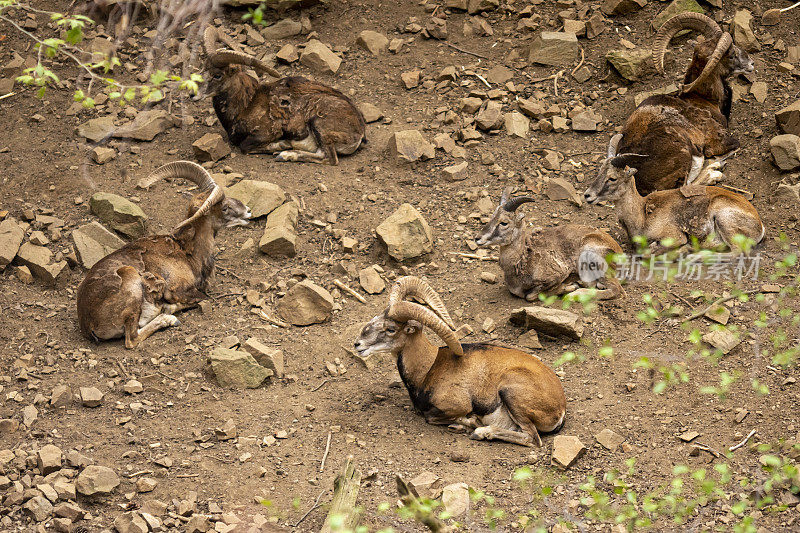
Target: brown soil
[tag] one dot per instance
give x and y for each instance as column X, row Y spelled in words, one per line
column 46, row 166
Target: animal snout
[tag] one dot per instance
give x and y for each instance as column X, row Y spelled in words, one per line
column 590, row 196
column 480, row 240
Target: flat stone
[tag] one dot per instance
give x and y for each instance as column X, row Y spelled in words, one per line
column 145, row 126
column 210, row 147
column 288, row 54
column 743, row 34
column 371, row 113
column 372, row 41
column 39, row 508
column 674, row 8
column 133, row 386
column 90, row 396
column 455, row 499
column 265, row 356
column 11, row 237
column 759, row 91
column 428, row 485
column 554, row 49
column 37, row 259
column 532, row 108
column 282, row 29
column 578, row 27
column 490, row 116
column 319, row 58
column 69, row 510
column 688, row 436
column 48, row 459
column 102, row 154
column 630, row 64
column 788, row 118
column 621, row 7
column 146, row 484
column 723, row 340
column 552, row 322
column 262, row 197
column 93, row 242
column 119, row 214
column 566, row 450
column 560, row 189
column 517, row 124
column 305, row 303
column 586, row 121
column 471, row 104
column 371, row 281
column 609, row 440
column 280, row 232
column 719, row 314
column 499, row 75
column 455, row 172
column 406, row 234
column 409, row 146
column 96, row 480
column 236, row 369
column 97, row 129
column 786, row 151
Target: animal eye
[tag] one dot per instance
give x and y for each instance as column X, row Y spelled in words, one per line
column 391, row 331
column 504, row 224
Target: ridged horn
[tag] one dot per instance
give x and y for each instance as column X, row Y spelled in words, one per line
column 193, row 172
column 405, row 311
column 223, row 58
column 724, row 43
column 210, row 39
column 506, row 194
column 513, row 204
column 613, row 145
column 414, row 286
column 682, row 21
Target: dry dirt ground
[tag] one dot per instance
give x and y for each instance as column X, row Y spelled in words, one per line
column 45, row 166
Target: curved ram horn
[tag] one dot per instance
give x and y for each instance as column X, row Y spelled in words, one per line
column 513, row 204
column 682, row 21
column 724, row 43
column 506, row 194
column 226, row 57
column 193, row 172
column 413, row 286
column 405, row 311
column 613, row 144
column 210, row 38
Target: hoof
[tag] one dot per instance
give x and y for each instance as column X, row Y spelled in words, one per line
column 286, row 156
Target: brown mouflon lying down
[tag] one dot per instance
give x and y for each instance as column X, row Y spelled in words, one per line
column 299, row 119
column 499, row 393
column 136, row 290
column 677, row 133
column 698, row 211
column 552, row 261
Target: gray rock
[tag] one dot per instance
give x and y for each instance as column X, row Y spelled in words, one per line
column 288, row 54
column 48, row 459
column 553, row 322
column 210, row 147
column 586, row 121
column 490, row 117
column 131, row 522
column 236, row 369
column 372, row 41
column 554, row 49
column 319, row 58
column 145, row 126
column 566, row 450
column 723, row 340
column 410, row 146
column 455, row 499
column 267, row 357
column 456, row 172
column 788, row 118
column 39, row 508
column 96, row 480
column 786, row 151
column 37, row 259
column 93, row 242
column 621, row 7
column 97, row 129
column 631, row 64
column 609, row 440
column 262, row 197
column 406, row 234
column 676, row 7
column 280, row 233
column 371, row 113
column 103, row 154
column 517, row 124
column 11, row 237
column 282, row 29
column 305, row 303
column 743, row 34
column 371, row 280
column 118, row 213
column 90, row 396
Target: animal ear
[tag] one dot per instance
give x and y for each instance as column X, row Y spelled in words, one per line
column 630, row 171
column 520, row 216
column 411, row 327
column 627, row 160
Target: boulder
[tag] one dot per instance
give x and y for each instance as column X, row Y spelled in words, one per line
column 788, row 118
column 631, row 64
column 621, row 7
column 319, row 58
column 93, row 242
column 557, row 49
column 282, row 29
column 371, row 280
column 406, row 234
column 305, row 303
column 553, row 322
column 786, row 151
column 490, row 117
column 37, row 259
column 97, row 129
column 11, row 237
column 280, row 233
column 103, row 154
column 566, row 450
column 262, row 197
column 409, row 146
column 267, row 357
column 676, row 7
column 48, row 459
column 119, row 214
column 145, row 126
column 372, row 41
column 743, row 34
column 210, row 147
column 96, row 480
column 235, row 369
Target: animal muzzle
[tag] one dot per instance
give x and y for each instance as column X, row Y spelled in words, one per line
column 590, row 196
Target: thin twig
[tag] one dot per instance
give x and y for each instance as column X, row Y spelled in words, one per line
column 316, row 504
column 706, row 448
column 8, row 95
column 555, row 81
column 227, row 271
column 273, row 321
column 744, row 441
column 187, row 475
column 580, row 64
column 717, row 302
column 324, row 381
column 349, row 291
column 122, row 368
column 454, row 47
column 475, row 256
column 325, row 455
